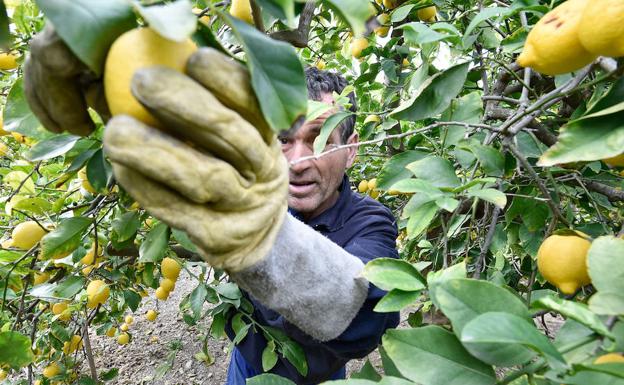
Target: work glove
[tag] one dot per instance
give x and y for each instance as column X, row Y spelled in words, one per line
column 59, row 87
column 217, row 172
column 210, row 172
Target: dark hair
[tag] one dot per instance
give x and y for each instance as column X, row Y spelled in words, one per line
column 324, row 82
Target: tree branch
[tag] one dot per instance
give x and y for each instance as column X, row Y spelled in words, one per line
column 298, row 37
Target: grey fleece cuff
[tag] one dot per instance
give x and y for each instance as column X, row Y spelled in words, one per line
column 311, row 281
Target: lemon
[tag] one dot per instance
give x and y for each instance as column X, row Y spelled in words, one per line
column 136, row 49
column 4, row 149
column 391, row 4
column 170, row 268
column 27, row 234
column 111, row 332
column 97, row 293
column 7, row 61
column 129, row 319
column 89, row 258
column 123, row 338
column 372, row 118
column 363, row 186
column 205, row 18
column 74, row 344
column 3, row 374
column 65, row 315
column 18, row 137
column 51, row 370
column 372, row 184
column 427, row 13
column 374, row 194
column 357, row 46
column 124, row 327
column 405, row 63
column 82, row 174
column 383, row 18
column 151, row 315
column 609, row 357
column 553, row 46
column 382, row 31
column 41, row 278
column 2, row 131
column 59, row 307
column 601, row 30
column 242, row 10
column 162, row 294
column 615, row 161
column 167, row 284
column 320, row 64
column 562, row 261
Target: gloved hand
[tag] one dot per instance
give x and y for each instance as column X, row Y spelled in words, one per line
column 218, row 173
column 59, row 87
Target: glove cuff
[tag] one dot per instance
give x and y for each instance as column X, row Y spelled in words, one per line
column 308, row 279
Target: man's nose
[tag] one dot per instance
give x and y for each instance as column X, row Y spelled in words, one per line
column 298, row 151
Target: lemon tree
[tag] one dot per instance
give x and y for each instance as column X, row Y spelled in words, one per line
column 493, row 129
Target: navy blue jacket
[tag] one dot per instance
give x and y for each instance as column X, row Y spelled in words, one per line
column 366, row 229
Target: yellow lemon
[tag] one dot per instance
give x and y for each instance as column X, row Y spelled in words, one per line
column 372, row 118
column 2, row 131
column 615, row 161
column 3, row 374
column 4, row 149
column 124, row 327
column 427, row 13
column 111, row 332
column 18, row 137
column 374, row 194
column 82, row 174
column 59, row 307
column 167, row 284
column 129, row 319
column 609, row 357
column 553, row 47
column 65, row 315
column 89, row 258
column 41, row 278
column 74, row 344
column 562, row 261
column 601, row 30
column 391, row 4
column 205, row 18
column 162, row 294
column 383, row 18
column 363, row 186
column 7, row 61
column 320, row 64
column 382, row 31
column 170, row 268
column 405, row 63
column 357, row 46
column 242, row 10
column 51, row 370
column 372, row 184
column 136, row 49
column 27, row 234
column 97, row 293
column 151, row 315
column 123, row 338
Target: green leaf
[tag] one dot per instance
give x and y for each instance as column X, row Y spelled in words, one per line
column 316, row 109
column 296, row 356
column 184, row 240
column 16, row 178
column 269, row 357
column 435, row 170
column 610, row 103
column 491, row 195
column 155, row 245
column 504, row 339
column 394, row 170
column 229, row 290
column 61, row 241
column 52, row 147
column 126, row 225
column 277, row 75
column 132, row 298
column 386, row 380
column 485, row 14
column 576, row 311
column 99, row 171
column 490, row 158
column 605, row 262
column 282, row 9
column 594, row 374
column 420, row 219
column 15, row 349
column 217, row 327
column 89, row 27
column 354, row 12
column 433, row 356
column 434, row 95
column 37, row 206
column 173, row 21
column 418, row 33
column 17, row 115
column 367, row 372
column 69, row 287
column 587, row 139
column 242, row 333
column 391, row 273
column 269, row 379
column 399, row 14
column 438, row 277
column 328, row 127
column 462, row 300
column 5, row 35
column 197, row 299
column 395, row 300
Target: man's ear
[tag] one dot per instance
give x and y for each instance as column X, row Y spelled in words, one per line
column 354, row 138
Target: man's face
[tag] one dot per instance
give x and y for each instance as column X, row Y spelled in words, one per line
column 313, row 184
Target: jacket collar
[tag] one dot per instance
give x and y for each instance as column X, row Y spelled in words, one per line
column 333, row 218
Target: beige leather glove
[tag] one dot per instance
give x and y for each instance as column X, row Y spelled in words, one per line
column 59, row 87
column 218, row 173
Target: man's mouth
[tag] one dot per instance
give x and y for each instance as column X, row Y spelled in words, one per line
column 300, row 187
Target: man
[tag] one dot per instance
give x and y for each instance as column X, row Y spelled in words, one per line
column 218, row 173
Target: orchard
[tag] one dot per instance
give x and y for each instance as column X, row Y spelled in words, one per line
column 493, row 130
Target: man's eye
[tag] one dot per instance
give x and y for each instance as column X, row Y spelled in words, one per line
column 283, row 140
